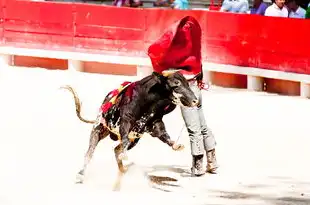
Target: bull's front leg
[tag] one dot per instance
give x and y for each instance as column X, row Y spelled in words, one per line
column 159, row 130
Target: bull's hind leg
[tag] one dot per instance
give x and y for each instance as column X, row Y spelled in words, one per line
column 122, row 169
column 117, row 152
column 124, row 130
column 98, row 133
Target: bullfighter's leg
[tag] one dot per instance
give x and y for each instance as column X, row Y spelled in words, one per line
column 191, row 118
column 208, row 140
column 201, row 137
column 98, row 133
column 159, row 130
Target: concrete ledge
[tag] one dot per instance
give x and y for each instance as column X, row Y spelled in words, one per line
column 254, row 78
column 254, row 83
column 305, row 90
column 71, row 55
column 143, row 71
column 75, row 65
column 258, row 72
column 5, row 60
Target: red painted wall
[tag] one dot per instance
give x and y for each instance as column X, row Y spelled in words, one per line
column 238, row 39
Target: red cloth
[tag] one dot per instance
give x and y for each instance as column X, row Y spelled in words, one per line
column 177, row 47
column 106, row 106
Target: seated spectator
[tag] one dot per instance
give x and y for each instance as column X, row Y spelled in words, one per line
column 163, row 3
column 180, row 4
column 295, row 11
column 277, row 9
column 235, row 6
column 259, row 7
column 307, row 16
column 127, row 3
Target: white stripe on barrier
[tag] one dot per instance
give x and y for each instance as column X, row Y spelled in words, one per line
column 72, row 55
column 143, row 64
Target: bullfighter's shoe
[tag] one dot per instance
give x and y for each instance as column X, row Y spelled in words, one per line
column 211, row 162
column 197, row 166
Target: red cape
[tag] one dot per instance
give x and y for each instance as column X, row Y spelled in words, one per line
column 179, row 46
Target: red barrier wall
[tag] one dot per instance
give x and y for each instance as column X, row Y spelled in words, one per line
column 107, row 28
column 237, row 39
column 40, row 24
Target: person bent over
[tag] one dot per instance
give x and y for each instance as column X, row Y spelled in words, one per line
column 180, row 48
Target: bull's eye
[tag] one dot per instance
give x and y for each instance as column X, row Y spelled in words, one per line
column 177, row 83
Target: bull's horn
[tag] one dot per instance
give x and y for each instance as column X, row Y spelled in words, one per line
column 168, row 72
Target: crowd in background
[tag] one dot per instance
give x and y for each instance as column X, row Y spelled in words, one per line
column 277, row 8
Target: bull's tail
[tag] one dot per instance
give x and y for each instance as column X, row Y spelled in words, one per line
column 77, row 104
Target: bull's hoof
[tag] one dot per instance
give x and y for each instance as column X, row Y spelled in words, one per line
column 122, row 156
column 79, row 178
column 123, row 169
column 177, row 147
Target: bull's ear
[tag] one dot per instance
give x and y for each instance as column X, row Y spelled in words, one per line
column 151, row 80
column 157, row 76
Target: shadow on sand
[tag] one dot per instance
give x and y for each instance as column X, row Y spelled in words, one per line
column 302, row 200
column 156, row 181
column 296, row 192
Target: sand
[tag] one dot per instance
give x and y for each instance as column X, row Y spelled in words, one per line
column 262, row 147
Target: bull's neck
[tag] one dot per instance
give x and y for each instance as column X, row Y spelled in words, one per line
column 155, row 96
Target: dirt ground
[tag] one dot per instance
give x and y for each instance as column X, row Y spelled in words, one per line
column 262, row 147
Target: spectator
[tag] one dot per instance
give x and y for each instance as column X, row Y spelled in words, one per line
column 295, row 11
column 180, row 4
column 235, row 6
column 127, row 3
column 307, row 16
column 259, row 7
column 163, row 3
column 277, row 9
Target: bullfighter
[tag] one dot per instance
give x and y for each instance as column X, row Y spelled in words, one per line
column 180, row 47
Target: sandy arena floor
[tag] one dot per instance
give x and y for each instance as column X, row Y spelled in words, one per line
column 263, row 147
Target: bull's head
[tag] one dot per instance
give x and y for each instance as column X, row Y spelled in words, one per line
column 181, row 93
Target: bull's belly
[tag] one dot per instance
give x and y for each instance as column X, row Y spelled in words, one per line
column 132, row 135
column 115, row 129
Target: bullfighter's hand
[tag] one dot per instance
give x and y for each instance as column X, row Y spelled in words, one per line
column 200, row 84
column 177, row 147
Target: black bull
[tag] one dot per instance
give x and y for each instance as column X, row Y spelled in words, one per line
column 141, row 111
